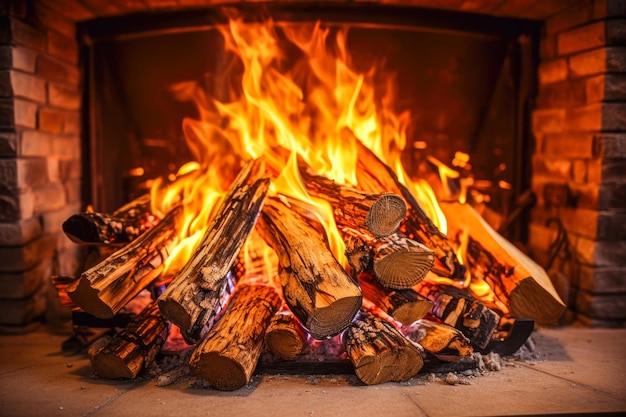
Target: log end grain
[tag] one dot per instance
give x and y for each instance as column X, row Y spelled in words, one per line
column 110, row 366
column 395, row 365
column 174, row 312
column 404, row 268
column 284, row 343
column 332, row 319
column 408, row 313
column 222, row 372
column 529, row 299
column 385, row 215
column 87, row 297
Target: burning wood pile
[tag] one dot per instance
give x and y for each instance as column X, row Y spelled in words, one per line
column 357, row 257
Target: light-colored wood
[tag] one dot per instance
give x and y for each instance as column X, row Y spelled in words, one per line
column 379, row 352
column 134, row 348
column 515, row 278
column 105, row 288
column 443, row 341
column 400, row 262
column 315, row 286
column 285, row 336
column 230, row 352
column 195, row 296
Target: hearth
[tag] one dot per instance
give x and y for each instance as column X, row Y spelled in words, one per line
column 562, row 177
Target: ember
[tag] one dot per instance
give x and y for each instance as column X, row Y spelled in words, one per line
column 308, row 155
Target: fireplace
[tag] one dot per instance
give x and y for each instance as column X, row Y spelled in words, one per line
column 570, row 136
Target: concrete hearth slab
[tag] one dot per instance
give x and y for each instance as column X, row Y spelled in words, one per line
column 574, row 371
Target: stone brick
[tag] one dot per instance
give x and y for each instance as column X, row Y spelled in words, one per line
column 612, row 226
column 70, row 261
column 23, row 258
column 70, row 169
column 579, row 171
column 595, row 89
column 6, row 57
column 586, row 118
column 71, row 125
column 16, row 205
column 7, row 114
column 24, row 284
column 62, row 47
column 612, row 170
column 24, row 59
column 574, row 16
column 51, row 120
column 548, row 120
column 608, row 8
column 63, row 96
column 611, row 196
column 51, row 19
column 616, row 31
column 28, row 86
column 594, row 170
column 603, row 280
column 600, row 253
column 24, row 311
column 563, row 94
column 8, row 144
column 126, row 6
column 555, row 169
column 73, row 191
column 49, row 197
column 22, row 173
column 57, row 71
column 101, row 7
column 71, row 9
column 35, row 143
column 580, row 320
column 553, row 71
column 614, row 116
column 25, row 113
column 615, row 87
column 547, row 48
column 20, row 232
column 53, row 220
column 6, row 89
column 597, row 61
column 26, row 35
column 54, row 173
column 540, row 237
column 582, row 38
column 66, row 147
column 569, row 145
column 610, row 145
column 582, row 222
column 610, row 306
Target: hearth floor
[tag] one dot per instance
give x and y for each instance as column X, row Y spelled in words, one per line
column 577, row 371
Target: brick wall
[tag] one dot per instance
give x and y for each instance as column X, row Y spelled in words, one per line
column 579, row 164
column 40, row 173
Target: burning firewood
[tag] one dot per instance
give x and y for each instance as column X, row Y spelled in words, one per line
column 230, row 352
column 122, row 226
column 134, row 348
column 460, row 310
column 315, row 286
column 445, row 342
column 404, row 305
column 105, row 288
column 285, row 336
column 379, row 214
column 379, row 352
column 375, row 176
column 195, row 296
column 516, row 279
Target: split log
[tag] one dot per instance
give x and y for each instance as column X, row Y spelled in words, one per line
column 315, row 286
column 455, row 307
column 122, row 226
column 134, row 348
column 195, row 296
column 105, row 288
column 379, row 352
column 517, row 280
column 404, row 305
column 284, row 336
column 373, row 176
column 380, row 213
column 443, row 341
column 230, row 352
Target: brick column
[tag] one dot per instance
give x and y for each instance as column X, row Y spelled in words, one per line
column 40, row 169
column 579, row 164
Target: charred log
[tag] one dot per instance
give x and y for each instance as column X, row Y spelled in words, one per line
column 443, row 341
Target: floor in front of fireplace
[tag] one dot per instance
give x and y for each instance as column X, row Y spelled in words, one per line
column 576, row 371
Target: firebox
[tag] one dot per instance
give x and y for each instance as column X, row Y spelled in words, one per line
column 465, row 72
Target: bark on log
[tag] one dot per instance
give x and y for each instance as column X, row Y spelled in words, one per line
column 315, row 286
column 460, row 310
column 230, row 352
column 404, row 305
column 380, row 213
column 516, row 280
column 195, row 296
column 443, row 341
column 373, row 176
column 134, row 348
column 122, row 226
column 284, row 336
column 105, row 288
column 379, row 352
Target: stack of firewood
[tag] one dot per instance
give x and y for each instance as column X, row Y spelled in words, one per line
column 390, row 317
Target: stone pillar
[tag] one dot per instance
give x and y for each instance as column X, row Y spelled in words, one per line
column 579, row 163
column 40, row 169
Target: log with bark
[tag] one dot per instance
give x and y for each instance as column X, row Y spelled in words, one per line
column 315, row 286
column 105, row 288
column 374, row 176
column 230, row 352
column 457, row 308
column 379, row 352
column 284, row 336
column 380, row 214
column 441, row 340
column 195, row 296
column 118, row 228
column 404, row 305
column 134, row 348
column 516, row 280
